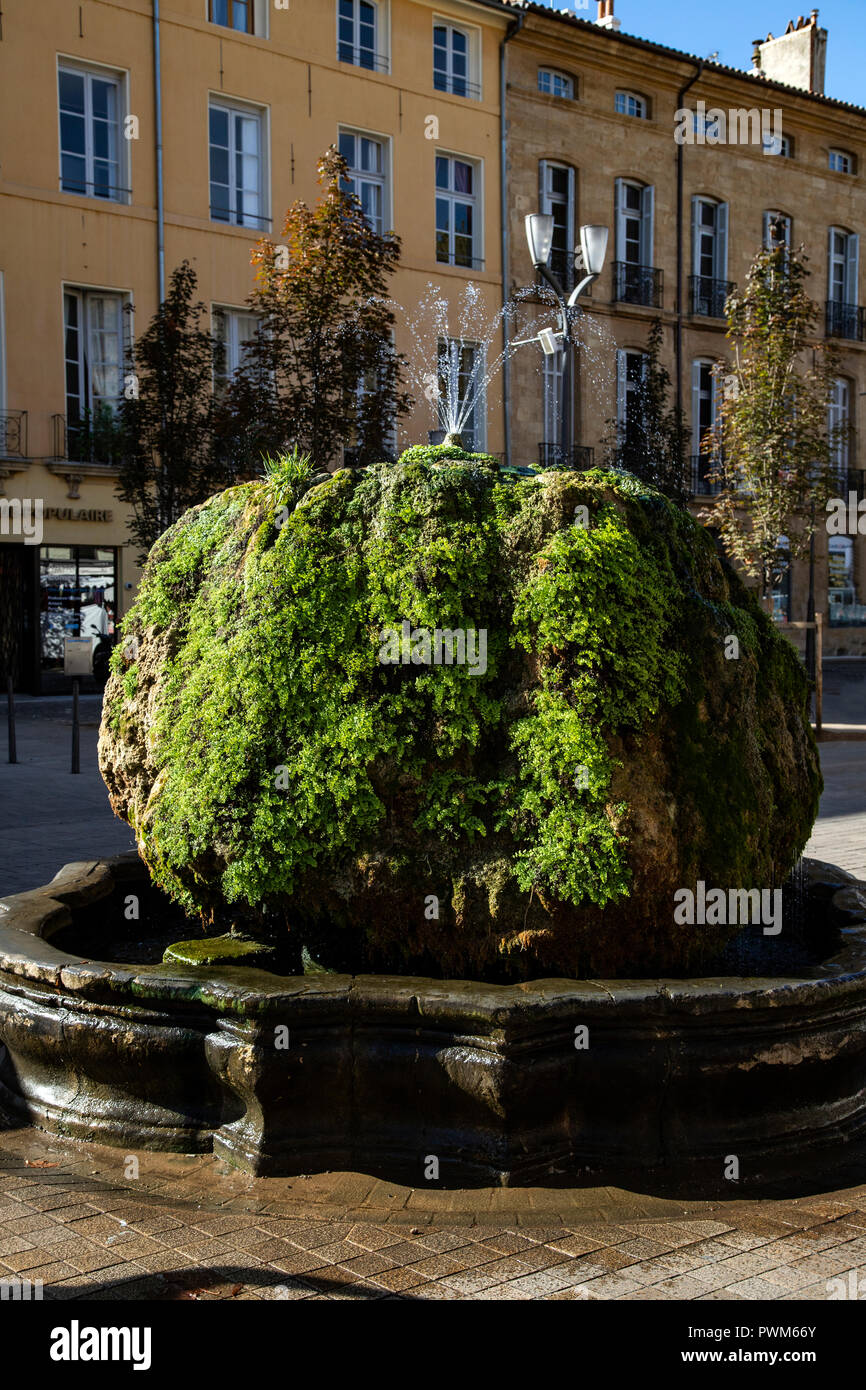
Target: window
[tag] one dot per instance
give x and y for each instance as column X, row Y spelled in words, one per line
column 556, row 196
column 845, row 611
column 232, row 329
column 630, row 377
column 709, row 257
column 777, row 227
column 839, row 428
column 456, row 200
column 552, row 397
column 359, row 39
column 78, row 597
column 461, row 390
column 235, row 14
column 779, row 145
column 843, row 266
column 367, row 158
column 556, row 84
column 781, row 578
column 93, row 350
column 90, row 142
column 635, row 280
column 453, row 64
column 630, row 104
column 704, row 413
column 841, row 162
column 237, row 165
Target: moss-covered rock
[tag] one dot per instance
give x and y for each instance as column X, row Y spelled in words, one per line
column 531, row 813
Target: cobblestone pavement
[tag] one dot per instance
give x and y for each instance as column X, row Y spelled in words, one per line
column 188, row 1228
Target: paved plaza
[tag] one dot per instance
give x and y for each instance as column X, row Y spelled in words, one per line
column 78, row 1225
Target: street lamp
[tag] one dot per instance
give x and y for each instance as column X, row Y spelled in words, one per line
column 589, row 259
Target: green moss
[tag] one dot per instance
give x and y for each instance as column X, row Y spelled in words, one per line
column 290, row 765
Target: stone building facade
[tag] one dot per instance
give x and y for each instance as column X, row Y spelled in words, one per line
column 592, row 137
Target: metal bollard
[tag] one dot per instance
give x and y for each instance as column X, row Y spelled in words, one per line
column 76, row 739
column 10, row 720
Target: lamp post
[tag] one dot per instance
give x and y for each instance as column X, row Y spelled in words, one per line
column 589, row 258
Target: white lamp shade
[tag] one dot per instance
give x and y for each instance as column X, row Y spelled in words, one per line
column 548, row 340
column 539, row 236
column 593, row 244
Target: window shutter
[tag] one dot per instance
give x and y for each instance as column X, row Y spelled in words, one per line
column 721, row 241
column 696, row 407
column 621, row 370
column 768, row 217
column 696, row 212
column 572, row 211
column 852, row 269
column 543, row 204
column 619, row 205
column 647, row 211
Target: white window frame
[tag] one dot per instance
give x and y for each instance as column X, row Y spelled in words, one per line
column 232, row 318
column 644, row 215
column 632, row 104
column 547, row 200
column 358, row 176
column 473, row 59
column 776, row 146
column 700, row 367
column 452, row 197
column 771, row 215
column 381, row 50
column 260, row 13
column 556, row 76
column 624, row 387
column 839, row 414
column 84, row 295
column 119, row 79
column 840, row 161
column 235, row 107
column 479, row 407
column 848, row 259
column 720, row 237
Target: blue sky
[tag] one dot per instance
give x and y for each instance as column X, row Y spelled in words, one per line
column 729, row 26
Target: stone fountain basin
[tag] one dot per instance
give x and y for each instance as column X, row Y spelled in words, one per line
column 383, row 1073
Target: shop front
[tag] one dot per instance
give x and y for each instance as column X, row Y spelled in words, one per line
column 66, row 583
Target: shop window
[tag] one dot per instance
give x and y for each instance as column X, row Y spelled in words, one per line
column 78, row 598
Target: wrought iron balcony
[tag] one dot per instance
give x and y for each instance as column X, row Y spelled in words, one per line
column 13, row 434
column 363, row 58
column 577, row 456
column 637, row 284
column 456, row 86
column 845, row 321
column 707, row 296
column 87, row 441
column 701, row 484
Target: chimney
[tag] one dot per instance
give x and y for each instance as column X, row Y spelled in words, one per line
column 606, row 18
column 798, row 57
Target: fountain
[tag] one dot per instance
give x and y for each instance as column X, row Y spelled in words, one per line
column 526, row 915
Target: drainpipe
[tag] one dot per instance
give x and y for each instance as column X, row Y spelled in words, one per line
column 513, row 29
column 160, row 209
column 679, row 330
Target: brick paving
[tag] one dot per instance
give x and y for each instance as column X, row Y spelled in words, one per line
column 189, row 1228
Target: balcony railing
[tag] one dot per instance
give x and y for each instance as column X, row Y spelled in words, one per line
column 13, row 434
column 363, row 58
column 707, row 296
column 637, row 284
column 577, row 456
column 99, row 441
column 845, row 321
column 456, row 86
column 700, row 482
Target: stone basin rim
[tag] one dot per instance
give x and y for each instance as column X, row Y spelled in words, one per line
column 37, row 914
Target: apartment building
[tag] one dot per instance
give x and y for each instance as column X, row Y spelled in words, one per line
column 592, row 119
column 136, row 135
